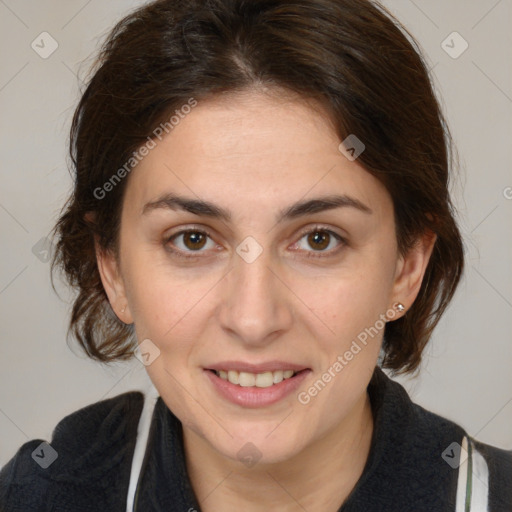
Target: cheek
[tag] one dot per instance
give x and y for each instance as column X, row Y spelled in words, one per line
column 153, row 303
column 351, row 308
column 158, row 295
column 345, row 303
column 171, row 307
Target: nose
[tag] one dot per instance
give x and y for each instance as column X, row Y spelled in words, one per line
column 256, row 304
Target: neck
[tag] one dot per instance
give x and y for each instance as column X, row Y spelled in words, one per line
column 319, row 478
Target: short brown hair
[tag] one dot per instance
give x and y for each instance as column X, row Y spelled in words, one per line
column 352, row 56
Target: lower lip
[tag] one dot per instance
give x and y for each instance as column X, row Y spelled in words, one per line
column 253, row 396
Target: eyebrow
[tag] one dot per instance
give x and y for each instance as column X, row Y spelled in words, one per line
column 298, row 209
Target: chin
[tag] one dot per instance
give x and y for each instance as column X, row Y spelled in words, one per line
column 253, row 445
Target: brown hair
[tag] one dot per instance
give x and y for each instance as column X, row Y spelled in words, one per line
column 352, row 56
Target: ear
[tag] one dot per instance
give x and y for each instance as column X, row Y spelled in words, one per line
column 410, row 269
column 113, row 283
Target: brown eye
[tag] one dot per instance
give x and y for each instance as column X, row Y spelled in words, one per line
column 189, row 241
column 194, row 240
column 319, row 240
column 322, row 241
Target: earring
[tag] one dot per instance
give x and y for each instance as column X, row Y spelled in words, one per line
column 399, row 307
column 123, row 310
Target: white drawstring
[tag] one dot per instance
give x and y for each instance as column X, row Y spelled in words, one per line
column 477, row 481
column 150, row 399
column 480, row 492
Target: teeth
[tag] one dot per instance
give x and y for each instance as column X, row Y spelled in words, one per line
column 260, row 380
column 264, row 380
column 232, row 377
column 246, row 380
column 278, row 376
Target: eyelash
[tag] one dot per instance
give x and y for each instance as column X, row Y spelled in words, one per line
column 310, row 254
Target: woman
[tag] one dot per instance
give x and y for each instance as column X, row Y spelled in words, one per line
column 261, row 202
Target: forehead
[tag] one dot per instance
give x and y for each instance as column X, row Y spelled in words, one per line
column 252, row 151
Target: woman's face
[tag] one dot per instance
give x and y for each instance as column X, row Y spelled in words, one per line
column 290, row 258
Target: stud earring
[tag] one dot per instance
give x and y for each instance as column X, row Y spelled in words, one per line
column 123, row 310
column 399, row 307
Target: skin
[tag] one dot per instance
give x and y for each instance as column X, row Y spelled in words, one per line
column 254, row 154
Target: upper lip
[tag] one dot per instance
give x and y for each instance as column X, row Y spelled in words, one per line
column 269, row 366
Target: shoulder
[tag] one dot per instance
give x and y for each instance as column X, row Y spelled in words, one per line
column 422, row 446
column 90, row 448
column 97, row 429
column 493, row 466
column 427, row 425
column 497, row 457
column 407, row 422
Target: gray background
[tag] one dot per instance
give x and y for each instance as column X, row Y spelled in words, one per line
column 466, row 375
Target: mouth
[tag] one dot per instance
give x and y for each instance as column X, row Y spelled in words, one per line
column 258, row 380
column 252, row 386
